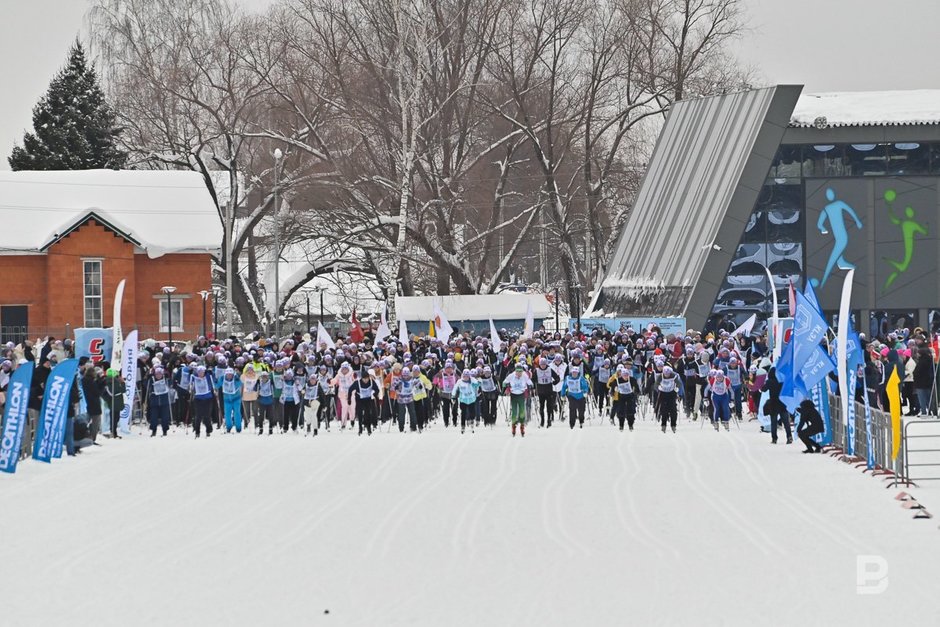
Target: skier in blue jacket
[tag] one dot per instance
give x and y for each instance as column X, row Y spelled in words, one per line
column 575, row 388
column 231, row 387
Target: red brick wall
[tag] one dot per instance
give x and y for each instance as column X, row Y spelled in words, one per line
column 52, row 284
column 65, row 267
column 188, row 273
column 24, row 283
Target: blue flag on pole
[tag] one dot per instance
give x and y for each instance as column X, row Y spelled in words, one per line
column 811, row 298
column 50, row 428
column 809, row 329
column 850, row 430
column 826, row 436
column 868, row 435
column 14, row 417
column 817, row 367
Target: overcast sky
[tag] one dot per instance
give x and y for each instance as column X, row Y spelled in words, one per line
column 826, row 45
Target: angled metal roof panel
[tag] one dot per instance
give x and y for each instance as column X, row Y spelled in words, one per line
column 703, row 179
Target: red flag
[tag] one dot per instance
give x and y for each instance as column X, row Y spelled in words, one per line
column 792, row 299
column 355, row 333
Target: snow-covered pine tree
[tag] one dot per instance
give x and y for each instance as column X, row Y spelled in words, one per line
column 74, row 128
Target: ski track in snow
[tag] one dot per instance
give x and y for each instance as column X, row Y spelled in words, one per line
column 500, row 480
column 719, row 504
column 622, row 489
column 583, row 527
column 434, row 480
column 800, row 510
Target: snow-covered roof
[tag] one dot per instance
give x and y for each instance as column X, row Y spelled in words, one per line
column 161, row 211
column 506, row 306
column 869, row 108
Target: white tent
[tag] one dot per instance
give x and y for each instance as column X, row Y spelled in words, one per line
column 506, row 307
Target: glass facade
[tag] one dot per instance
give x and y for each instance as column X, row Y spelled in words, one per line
column 827, row 207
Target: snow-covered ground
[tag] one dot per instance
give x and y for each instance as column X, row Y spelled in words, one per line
column 590, row 527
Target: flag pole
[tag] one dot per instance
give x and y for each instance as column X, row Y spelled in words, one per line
column 842, row 355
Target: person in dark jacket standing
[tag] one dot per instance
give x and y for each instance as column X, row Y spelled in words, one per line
column 114, row 396
column 811, row 424
column 93, row 388
column 923, row 379
column 775, row 408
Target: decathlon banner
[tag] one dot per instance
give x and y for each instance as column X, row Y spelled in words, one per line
column 14, row 417
column 129, row 372
column 870, row 461
column 93, row 343
column 50, row 429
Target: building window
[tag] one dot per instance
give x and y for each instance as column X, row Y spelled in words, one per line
column 92, row 292
column 176, row 309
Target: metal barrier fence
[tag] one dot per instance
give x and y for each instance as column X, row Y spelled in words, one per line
column 882, row 439
column 919, row 460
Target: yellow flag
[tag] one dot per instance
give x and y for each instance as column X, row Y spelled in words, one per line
column 431, row 329
column 893, row 390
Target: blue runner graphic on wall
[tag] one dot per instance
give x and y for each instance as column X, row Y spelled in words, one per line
column 834, row 213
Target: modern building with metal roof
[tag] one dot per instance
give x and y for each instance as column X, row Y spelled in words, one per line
column 804, row 186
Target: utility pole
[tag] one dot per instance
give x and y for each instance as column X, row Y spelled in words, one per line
column 277, row 247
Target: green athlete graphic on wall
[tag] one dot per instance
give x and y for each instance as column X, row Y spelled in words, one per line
column 909, row 229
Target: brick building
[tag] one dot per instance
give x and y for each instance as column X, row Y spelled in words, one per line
column 68, row 238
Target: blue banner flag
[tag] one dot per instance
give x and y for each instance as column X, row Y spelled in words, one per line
column 809, row 329
column 826, row 436
column 868, row 435
column 817, row 367
column 14, row 417
column 850, row 430
column 50, row 428
column 810, row 295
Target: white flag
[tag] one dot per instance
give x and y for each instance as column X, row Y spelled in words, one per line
column 129, row 371
column 745, row 329
column 403, row 335
column 495, row 340
column 441, row 326
column 117, row 342
column 323, row 337
column 529, row 329
column 383, row 331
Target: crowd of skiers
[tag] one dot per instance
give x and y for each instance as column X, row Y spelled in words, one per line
column 297, row 386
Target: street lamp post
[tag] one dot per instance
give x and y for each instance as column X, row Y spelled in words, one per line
column 215, row 314
column 577, row 296
column 168, row 290
column 277, row 246
column 557, row 329
column 205, row 297
column 308, row 311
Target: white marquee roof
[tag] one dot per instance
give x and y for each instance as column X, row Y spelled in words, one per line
column 163, row 211
column 505, row 306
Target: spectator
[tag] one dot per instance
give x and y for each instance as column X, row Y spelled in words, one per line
column 114, row 396
column 923, row 380
column 811, row 424
column 93, row 387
